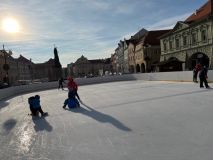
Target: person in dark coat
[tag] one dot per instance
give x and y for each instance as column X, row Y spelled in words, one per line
column 203, row 77
column 60, row 83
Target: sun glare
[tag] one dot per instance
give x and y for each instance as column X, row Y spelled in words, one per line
column 10, row 25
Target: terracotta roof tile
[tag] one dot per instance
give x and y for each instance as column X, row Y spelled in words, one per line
column 152, row 37
column 202, row 12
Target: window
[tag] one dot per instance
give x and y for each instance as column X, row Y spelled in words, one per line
column 184, row 40
column 170, row 45
column 194, row 38
column 164, row 46
column 177, row 43
column 203, row 36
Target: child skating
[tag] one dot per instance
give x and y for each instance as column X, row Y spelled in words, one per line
column 35, row 106
column 71, row 101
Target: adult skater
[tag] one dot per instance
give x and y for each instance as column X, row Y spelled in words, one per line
column 203, row 77
column 60, row 83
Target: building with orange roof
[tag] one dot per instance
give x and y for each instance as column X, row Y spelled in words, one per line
column 147, row 51
column 189, row 42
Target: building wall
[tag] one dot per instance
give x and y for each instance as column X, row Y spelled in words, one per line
column 131, row 56
column 185, row 51
column 87, row 68
column 126, row 58
column 139, row 57
column 119, row 52
column 152, row 57
column 12, row 72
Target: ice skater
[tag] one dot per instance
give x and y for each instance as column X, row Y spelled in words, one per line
column 203, row 77
column 73, row 87
column 60, row 83
column 71, row 101
column 195, row 72
column 35, row 106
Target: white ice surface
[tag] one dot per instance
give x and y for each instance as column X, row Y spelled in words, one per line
column 133, row 120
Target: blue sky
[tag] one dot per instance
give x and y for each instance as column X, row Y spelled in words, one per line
column 85, row 27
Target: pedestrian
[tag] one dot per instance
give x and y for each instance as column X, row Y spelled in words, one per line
column 203, row 77
column 72, row 86
column 60, row 83
column 195, row 72
column 35, row 106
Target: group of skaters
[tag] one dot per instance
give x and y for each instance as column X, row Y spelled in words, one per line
column 73, row 98
column 202, row 71
column 72, row 101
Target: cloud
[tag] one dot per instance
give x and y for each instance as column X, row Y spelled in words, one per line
column 76, row 27
column 168, row 23
column 125, row 9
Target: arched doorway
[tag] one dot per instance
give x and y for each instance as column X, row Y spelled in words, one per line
column 198, row 57
column 143, row 68
column 137, row 68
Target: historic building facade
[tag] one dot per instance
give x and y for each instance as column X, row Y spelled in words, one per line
column 113, row 63
column 89, row 68
column 144, row 50
column 25, row 68
column 189, row 42
column 133, row 41
column 147, row 51
column 126, row 57
column 119, row 54
column 19, row 70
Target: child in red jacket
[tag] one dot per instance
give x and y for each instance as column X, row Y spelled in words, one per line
column 72, row 86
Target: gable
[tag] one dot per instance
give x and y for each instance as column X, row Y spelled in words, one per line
column 81, row 60
column 180, row 26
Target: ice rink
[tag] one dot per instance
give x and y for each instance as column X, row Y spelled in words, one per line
column 132, row 120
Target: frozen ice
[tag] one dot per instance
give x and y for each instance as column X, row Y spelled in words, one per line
column 132, row 120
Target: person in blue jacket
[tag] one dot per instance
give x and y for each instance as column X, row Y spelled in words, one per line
column 71, row 101
column 35, row 106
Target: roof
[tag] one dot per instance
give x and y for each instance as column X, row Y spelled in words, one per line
column 23, row 59
column 152, row 37
column 139, row 34
column 202, row 12
column 50, row 61
column 96, row 61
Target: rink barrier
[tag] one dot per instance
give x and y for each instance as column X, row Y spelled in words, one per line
column 184, row 76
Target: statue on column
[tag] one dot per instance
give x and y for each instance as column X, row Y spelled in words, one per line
column 57, row 66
